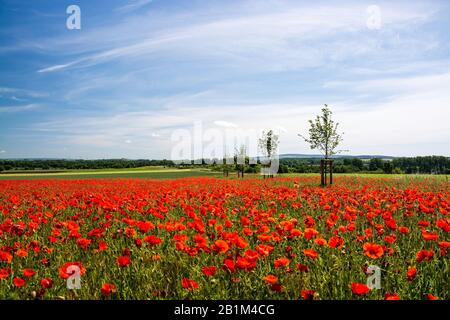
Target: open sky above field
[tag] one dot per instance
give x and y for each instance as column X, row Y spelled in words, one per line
column 138, row 70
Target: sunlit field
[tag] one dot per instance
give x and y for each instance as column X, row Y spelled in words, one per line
column 144, row 173
column 214, row 238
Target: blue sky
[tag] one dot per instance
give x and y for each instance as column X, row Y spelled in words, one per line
column 137, row 70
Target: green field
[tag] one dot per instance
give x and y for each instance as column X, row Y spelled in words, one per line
column 152, row 173
column 170, row 173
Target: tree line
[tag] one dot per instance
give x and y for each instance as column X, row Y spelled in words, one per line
column 408, row 165
column 66, row 164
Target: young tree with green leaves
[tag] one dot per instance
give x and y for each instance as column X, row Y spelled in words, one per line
column 268, row 144
column 324, row 136
column 241, row 159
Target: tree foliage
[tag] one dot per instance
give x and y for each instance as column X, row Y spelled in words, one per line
column 323, row 134
column 268, row 143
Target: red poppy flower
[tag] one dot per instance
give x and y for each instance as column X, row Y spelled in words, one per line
column 123, row 261
column 138, row 242
column 431, row 297
column 281, row 262
column 373, row 250
column 308, row 294
column 221, row 246
column 444, row 224
column 209, row 271
column 360, row 288
column 5, row 273
column 229, row 265
column 28, row 273
column 19, row 282
column 46, row 283
column 126, row 252
column 5, row 257
column 271, row 279
column 302, row 267
column 21, row 253
column 264, row 249
column 444, row 245
column 295, row 233
column 320, row 241
column 144, row 226
column 335, row 242
column 189, row 284
column 429, row 236
column 411, row 273
column 244, row 263
column 108, row 288
column 310, row 253
column 102, row 245
column 153, row 240
column 251, row 255
column 310, row 233
column 426, row 255
column 391, row 296
column 241, row 243
column 277, row 287
column 69, row 268
column 84, row 243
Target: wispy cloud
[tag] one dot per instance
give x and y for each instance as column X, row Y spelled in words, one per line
column 288, row 37
column 19, row 108
column 390, row 128
column 225, row 124
column 57, row 67
column 23, row 92
column 133, row 5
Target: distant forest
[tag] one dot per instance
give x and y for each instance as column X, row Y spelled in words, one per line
column 410, row 165
column 62, row 164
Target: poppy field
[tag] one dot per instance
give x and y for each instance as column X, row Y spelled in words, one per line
column 212, row 238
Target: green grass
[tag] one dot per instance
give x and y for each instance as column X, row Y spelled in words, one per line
column 374, row 175
column 111, row 173
column 159, row 172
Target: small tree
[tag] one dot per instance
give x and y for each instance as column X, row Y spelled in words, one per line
column 324, row 136
column 241, row 158
column 268, row 143
column 225, row 167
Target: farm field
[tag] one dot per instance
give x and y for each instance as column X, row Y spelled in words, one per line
column 146, row 172
column 214, row 238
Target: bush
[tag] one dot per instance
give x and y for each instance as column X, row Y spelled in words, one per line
column 397, row 170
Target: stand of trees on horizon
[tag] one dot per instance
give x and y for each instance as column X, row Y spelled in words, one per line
column 408, row 165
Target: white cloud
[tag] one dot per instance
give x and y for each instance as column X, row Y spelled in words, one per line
column 411, row 118
column 57, row 67
column 17, row 99
column 2, row 151
column 278, row 38
column 19, row 108
column 23, row 92
column 133, row 5
column 225, row 124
